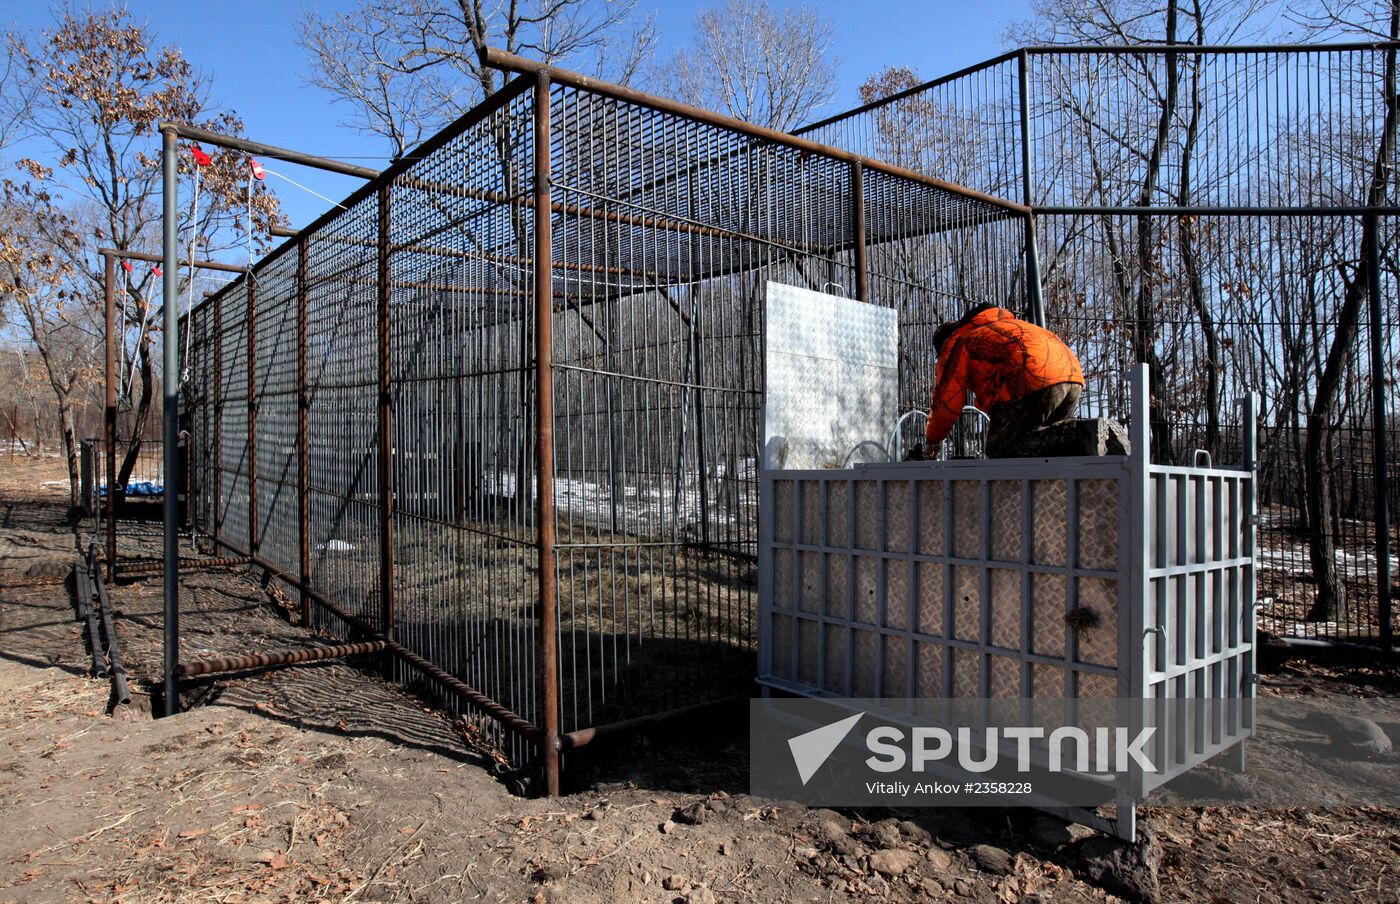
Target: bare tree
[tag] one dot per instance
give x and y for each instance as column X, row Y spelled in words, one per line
column 405, row 68
column 101, row 85
column 759, row 63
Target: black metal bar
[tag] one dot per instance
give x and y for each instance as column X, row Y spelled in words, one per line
column 1236, row 210
column 271, row 151
column 861, row 258
column 282, row 657
column 385, row 423
column 109, row 406
column 303, row 453
column 120, row 693
column 170, row 223
column 218, row 453
column 250, row 320
column 1380, row 456
column 1034, row 296
column 544, row 439
column 83, row 589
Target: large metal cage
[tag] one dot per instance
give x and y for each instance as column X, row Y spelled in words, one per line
column 500, row 410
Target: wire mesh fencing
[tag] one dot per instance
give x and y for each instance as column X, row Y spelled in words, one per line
column 1204, row 210
column 366, row 406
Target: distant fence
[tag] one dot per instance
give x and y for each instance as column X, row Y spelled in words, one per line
column 1206, row 210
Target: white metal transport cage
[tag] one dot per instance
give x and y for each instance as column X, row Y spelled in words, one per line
column 1058, row 579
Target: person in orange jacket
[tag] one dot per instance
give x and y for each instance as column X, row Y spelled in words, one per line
column 1022, row 375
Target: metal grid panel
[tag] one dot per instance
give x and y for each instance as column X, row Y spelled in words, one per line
column 461, row 327
column 1287, row 141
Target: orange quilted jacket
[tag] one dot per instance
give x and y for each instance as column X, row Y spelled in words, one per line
column 1000, row 359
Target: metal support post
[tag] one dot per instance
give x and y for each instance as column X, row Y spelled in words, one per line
column 386, row 431
column 1034, row 296
column 303, row 454
column 170, row 222
column 544, row 440
column 1380, row 459
column 109, row 411
column 251, row 321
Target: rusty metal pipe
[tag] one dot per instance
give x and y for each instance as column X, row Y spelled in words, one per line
column 156, row 259
column 271, row 151
column 186, row 564
column 83, row 589
column 548, row 638
column 284, row 657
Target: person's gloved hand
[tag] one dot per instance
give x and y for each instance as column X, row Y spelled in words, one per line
column 915, row 453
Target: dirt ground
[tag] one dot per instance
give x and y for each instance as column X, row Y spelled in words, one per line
column 324, row 782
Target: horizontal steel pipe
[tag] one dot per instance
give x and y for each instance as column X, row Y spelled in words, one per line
column 271, row 151
column 156, row 259
column 285, row 657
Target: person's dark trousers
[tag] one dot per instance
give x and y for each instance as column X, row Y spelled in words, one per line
column 1018, row 429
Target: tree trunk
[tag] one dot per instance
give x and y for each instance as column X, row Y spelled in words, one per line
column 1318, row 465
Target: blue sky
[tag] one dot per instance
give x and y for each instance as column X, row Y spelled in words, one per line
column 248, row 50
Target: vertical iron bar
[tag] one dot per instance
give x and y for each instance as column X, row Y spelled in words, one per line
column 218, row 416
column 171, row 411
column 1380, row 457
column 109, row 413
column 385, row 439
column 544, row 439
column 1033, row 289
column 303, row 465
column 251, row 321
column 858, row 231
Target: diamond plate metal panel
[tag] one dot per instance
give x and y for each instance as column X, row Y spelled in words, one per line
column 929, row 618
column 1008, row 523
column 1098, row 524
column 1050, row 500
column 832, row 375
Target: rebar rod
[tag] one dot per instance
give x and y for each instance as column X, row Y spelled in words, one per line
column 275, row 658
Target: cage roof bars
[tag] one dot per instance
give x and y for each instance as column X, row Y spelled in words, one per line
column 509, row 62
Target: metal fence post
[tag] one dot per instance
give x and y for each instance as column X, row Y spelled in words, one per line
column 1380, row 457
column 251, row 319
column 109, row 412
column 1034, row 295
column 544, row 439
column 171, row 410
column 303, row 503
column 218, row 453
column 386, row 434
